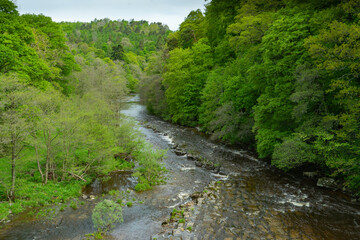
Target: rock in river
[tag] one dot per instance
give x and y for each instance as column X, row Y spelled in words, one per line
column 326, row 182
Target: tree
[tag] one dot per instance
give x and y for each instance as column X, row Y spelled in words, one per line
column 70, row 137
column 219, row 15
column 336, row 54
column 249, row 27
column 291, row 153
column 184, row 78
column 282, row 48
column 102, row 77
column 152, row 91
column 172, row 41
column 14, row 128
column 50, row 45
column 192, row 29
column 118, row 52
column 16, row 39
column 7, row 6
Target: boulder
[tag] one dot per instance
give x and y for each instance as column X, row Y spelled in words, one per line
column 191, row 157
column 195, row 195
column 179, row 152
column 198, row 164
column 326, row 182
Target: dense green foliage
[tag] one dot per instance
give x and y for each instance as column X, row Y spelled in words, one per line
column 280, row 76
column 131, row 42
column 60, row 101
column 139, row 37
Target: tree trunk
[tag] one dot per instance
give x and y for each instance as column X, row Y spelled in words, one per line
column 47, row 137
column 65, row 160
column 13, row 166
column 38, row 162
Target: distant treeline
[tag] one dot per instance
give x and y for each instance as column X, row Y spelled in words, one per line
column 280, row 76
column 139, row 37
column 129, row 41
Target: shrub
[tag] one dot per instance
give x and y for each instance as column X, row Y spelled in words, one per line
column 292, row 153
column 74, row 205
column 151, row 169
column 106, row 214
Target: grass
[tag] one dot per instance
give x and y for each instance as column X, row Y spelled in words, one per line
column 140, row 187
column 95, row 235
column 34, row 194
column 4, row 210
column 177, row 214
column 115, row 193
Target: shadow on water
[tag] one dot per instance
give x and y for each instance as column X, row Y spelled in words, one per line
column 255, row 201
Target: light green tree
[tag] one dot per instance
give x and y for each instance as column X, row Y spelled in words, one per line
column 14, row 127
column 184, row 78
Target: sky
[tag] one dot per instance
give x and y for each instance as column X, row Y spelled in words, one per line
column 169, row 12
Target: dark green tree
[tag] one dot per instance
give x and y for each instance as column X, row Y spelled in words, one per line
column 118, row 52
column 8, row 7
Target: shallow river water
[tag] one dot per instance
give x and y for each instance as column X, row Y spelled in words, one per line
column 252, row 200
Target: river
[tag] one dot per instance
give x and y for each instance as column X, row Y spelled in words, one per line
column 241, row 197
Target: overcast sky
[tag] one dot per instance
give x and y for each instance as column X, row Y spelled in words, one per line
column 170, row 12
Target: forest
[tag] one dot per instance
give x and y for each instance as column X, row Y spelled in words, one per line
column 61, row 87
column 280, row 77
